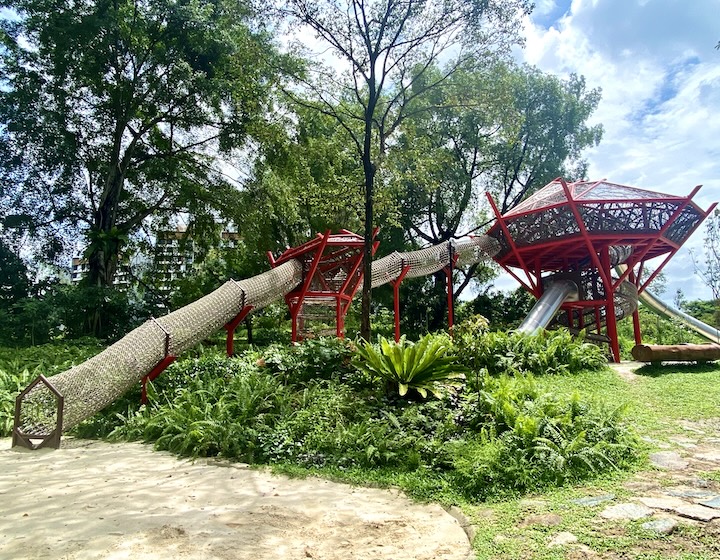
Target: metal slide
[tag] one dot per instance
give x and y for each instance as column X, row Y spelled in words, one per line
column 656, row 305
column 548, row 304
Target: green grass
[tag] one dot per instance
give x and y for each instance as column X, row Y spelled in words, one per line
column 657, row 399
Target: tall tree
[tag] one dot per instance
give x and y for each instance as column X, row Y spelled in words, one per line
column 386, row 46
column 504, row 129
column 551, row 133
column 305, row 182
column 115, row 110
column 709, row 273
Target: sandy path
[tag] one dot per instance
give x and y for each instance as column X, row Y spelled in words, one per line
column 99, row 500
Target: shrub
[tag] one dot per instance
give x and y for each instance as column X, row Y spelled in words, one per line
column 321, row 358
column 525, row 440
column 549, row 352
column 423, row 366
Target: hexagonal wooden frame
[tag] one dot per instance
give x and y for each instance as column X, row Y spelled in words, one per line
column 30, row 441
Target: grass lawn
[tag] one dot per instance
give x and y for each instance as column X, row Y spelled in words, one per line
column 672, row 407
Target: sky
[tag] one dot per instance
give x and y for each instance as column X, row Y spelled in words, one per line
column 659, row 71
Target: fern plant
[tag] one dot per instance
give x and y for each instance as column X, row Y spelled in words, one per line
column 424, row 366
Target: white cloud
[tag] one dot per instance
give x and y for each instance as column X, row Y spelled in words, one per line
column 660, row 76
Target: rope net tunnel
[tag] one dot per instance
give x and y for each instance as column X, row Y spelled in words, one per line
column 87, row 388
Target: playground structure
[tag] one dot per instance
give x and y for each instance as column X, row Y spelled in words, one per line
column 561, row 244
column 579, row 234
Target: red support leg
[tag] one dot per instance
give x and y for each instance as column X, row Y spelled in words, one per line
column 231, row 326
column 610, row 316
column 157, row 370
column 636, row 327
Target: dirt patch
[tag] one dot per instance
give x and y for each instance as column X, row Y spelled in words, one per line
column 100, row 500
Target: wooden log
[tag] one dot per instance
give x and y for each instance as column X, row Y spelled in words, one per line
column 676, row 353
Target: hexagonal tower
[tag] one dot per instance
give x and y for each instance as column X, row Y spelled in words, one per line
column 599, row 235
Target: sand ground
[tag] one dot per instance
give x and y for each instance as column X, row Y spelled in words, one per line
column 93, row 499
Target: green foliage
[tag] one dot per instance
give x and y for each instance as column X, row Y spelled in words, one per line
column 10, row 386
column 125, row 108
column 549, row 352
column 70, row 311
column 308, row 406
column 319, row 358
column 18, row 367
column 706, row 311
column 503, row 311
column 423, row 366
column 526, row 439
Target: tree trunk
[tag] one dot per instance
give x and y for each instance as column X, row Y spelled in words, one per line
column 369, row 173
column 365, row 327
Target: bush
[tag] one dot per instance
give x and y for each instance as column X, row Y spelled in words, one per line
column 319, row 358
column 307, row 406
column 525, row 440
column 549, row 352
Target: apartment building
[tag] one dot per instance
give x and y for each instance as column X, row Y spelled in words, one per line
column 173, row 256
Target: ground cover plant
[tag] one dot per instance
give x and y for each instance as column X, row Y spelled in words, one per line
column 395, row 413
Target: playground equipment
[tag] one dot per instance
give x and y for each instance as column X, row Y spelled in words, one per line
column 562, row 244
column 326, row 269
column 578, row 233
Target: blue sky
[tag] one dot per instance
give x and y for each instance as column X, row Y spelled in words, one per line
column 659, row 71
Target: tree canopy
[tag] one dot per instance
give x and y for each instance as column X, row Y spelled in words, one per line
column 388, row 46
column 116, row 110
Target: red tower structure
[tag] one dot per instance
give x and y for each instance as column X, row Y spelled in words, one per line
column 599, row 235
column 332, row 272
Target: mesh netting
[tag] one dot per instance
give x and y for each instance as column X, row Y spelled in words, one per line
column 92, row 385
column 432, row 259
column 89, row 387
column 626, row 302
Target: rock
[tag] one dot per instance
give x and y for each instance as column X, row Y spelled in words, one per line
column 542, row 519
column 713, row 456
column 662, row 526
column 692, row 493
column 714, row 503
column 531, row 503
column 626, row 511
column 562, row 539
column 668, row 504
column 668, row 460
column 464, row 522
column 699, row 513
column 641, row 486
column 591, row 501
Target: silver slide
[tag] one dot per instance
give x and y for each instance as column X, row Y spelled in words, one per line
column 664, row 310
column 656, row 305
column 548, row 304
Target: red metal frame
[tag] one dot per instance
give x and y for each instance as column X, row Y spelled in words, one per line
column 325, row 258
column 580, row 247
column 157, row 370
column 230, row 327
